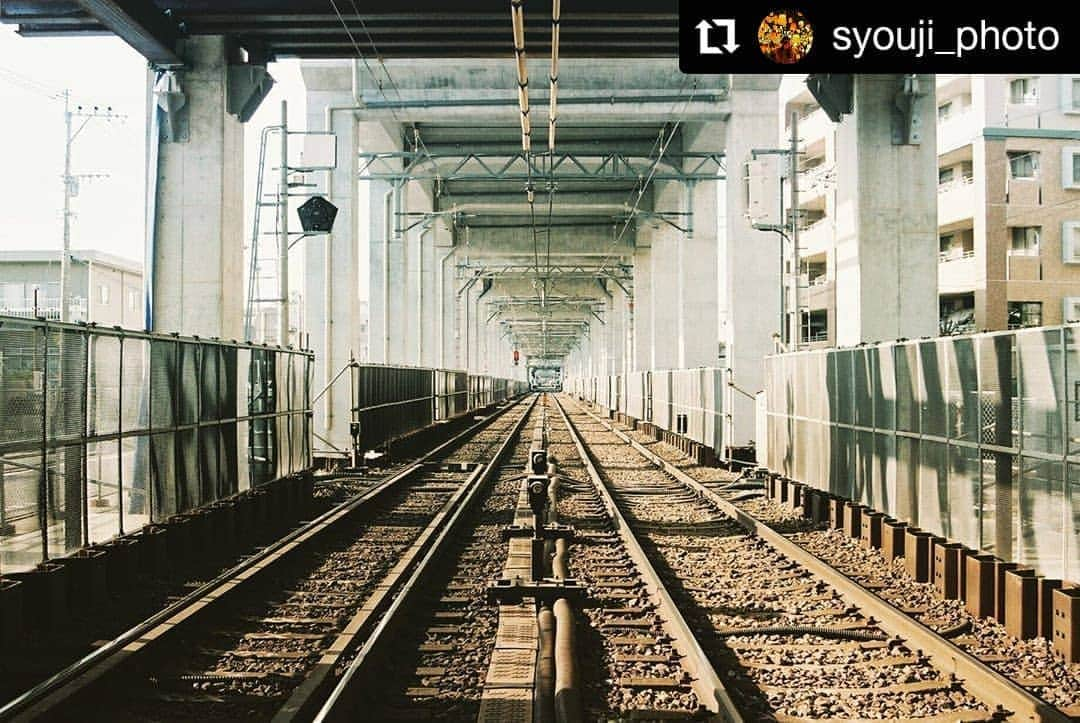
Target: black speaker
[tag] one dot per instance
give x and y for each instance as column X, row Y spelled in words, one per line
column 834, row 93
column 317, row 215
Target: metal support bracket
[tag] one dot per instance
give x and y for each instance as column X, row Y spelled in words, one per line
column 906, row 122
column 546, row 591
column 547, row 532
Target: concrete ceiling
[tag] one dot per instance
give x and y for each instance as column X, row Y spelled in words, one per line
column 548, row 270
column 341, row 28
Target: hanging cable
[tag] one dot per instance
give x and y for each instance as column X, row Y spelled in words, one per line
column 553, row 119
column 517, row 23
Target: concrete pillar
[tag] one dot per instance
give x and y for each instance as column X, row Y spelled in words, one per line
column 383, row 247
column 664, row 292
column 886, row 232
column 445, row 298
column 377, row 219
column 331, row 271
column 397, row 291
column 643, row 298
column 698, row 256
column 750, row 263
column 197, row 261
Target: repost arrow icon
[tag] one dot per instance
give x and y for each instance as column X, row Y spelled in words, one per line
column 728, row 24
column 729, row 46
column 704, row 48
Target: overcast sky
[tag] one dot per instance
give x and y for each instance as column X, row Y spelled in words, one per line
column 100, row 71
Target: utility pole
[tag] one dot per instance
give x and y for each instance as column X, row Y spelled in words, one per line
column 793, row 157
column 283, row 230
column 71, row 185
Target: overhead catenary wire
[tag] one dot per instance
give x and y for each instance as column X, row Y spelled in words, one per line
column 553, row 119
column 517, row 24
column 664, row 143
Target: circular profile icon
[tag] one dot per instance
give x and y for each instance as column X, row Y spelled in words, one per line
column 785, row 36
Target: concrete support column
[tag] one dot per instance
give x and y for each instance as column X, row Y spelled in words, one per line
column 197, row 261
column 331, row 271
column 384, row 248
column 642, row 341
column 886, row 232
column 698, row 256
column 663, row 346
column 444, row 296
column 397, row 298
column 750, row 263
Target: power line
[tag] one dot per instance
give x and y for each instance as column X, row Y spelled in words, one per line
column 652, row 171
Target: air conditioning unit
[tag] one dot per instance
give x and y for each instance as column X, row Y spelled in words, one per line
column 763, row 191
column 1071, row 309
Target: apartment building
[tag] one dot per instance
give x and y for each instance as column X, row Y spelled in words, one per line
column 1008, row 203
column 1008, row 200
column 103, row 288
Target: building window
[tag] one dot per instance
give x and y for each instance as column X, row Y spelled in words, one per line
column 1023, row 314
column 945, row 175
column 1025, row 240
column 1070, row 167
column 1070, row 242
column 815, row 326
column 133, row 300
column 103, row 294
column 1076, row 94
column 1023, row 164
column 1071, row 310
column 1024, row 91
column 944, row 110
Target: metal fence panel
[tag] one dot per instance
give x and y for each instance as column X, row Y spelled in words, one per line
column 106, row 430
column 973, row 437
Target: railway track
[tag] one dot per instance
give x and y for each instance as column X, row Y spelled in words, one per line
column 429, row 658
column 794, row 639
column 265, row 639
column 640, row 659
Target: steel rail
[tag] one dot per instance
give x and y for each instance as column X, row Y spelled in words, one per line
column 707, row 685
column 53, row 691
column 981, row 680
column 338, row 703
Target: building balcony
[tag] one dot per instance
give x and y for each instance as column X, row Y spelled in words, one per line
column 957, row 131
column 816, row 238
column 957, row 272
column 813, row 128
column 814, row 183
column 817, row 293
column 48, row 309
column 956, row 202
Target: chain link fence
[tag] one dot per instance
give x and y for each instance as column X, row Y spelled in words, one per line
column 973, row 437
column 106, row 430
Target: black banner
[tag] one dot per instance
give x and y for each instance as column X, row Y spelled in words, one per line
column 722, row 38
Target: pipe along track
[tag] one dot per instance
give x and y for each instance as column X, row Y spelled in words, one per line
column 775, row 617
column 264, row 638
column 430, row 655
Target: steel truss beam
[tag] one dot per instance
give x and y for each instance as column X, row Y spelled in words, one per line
column 460, row 218
column 540, row 168
column 563, row 272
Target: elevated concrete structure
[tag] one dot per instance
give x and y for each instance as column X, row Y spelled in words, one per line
column 195, row 256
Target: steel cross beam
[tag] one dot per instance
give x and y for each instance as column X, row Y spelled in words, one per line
column 520, row 167
column 620, row 272
column 140, row 24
